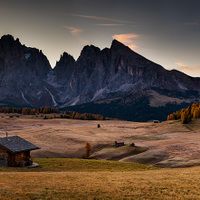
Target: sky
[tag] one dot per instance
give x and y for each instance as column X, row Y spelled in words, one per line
column 164, row 31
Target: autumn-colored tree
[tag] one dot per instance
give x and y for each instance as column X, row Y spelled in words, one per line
column 186, row 114
column 57, row 110
column 77, row 116
column 170, row 117
column 185, row 117
column 98, row 117
column 33, row 111
column 24, row 111
column 88, row 148
column 84, row 116
column 45, row 111
column 72, row 115
column 196, row 113
column 178, row 115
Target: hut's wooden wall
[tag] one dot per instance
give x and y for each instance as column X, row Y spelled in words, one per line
column 3, row 157
column 19, row 159
column 13, row 159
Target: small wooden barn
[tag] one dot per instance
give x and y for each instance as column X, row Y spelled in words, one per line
column 15, row 152
column 119, row 143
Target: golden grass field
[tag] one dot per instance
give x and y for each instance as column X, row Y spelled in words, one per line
column 166, row 144
column 90, row 179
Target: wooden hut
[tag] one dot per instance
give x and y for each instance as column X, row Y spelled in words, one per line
column 119, row 143
column 15, row 152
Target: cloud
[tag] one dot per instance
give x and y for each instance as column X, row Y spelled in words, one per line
column 73, row 31
column 101, row 18
column 185, row 67
column 109, row 24
column 127, row 39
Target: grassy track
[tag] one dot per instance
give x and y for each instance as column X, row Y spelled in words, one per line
column 89, row 179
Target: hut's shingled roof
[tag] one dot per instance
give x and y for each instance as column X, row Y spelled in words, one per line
column 16, row 144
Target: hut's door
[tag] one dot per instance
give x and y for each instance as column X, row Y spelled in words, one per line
column 3, row 160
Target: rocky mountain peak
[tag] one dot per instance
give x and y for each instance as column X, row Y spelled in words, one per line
column 89, row 51
column 63, row 69
column 7, row 42
column 118, row 48
column 7, row 39
column 66, row 58
column 66, row 61
column 116, row 45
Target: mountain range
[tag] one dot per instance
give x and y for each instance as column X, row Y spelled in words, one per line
column 115, row 81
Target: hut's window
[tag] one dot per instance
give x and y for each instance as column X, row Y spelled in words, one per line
column 1, row 157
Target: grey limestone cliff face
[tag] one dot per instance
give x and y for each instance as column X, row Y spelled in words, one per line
column 27, row 79
column 119, row 71
column 23, row 72
column 63, row 70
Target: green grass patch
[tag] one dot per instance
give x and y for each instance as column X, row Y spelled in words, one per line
column 78, row 165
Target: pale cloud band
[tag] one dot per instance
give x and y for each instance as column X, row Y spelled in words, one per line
column 73, row 31
column 102, row 18
column 185, row 67
column 109, row 25
column 127, row 39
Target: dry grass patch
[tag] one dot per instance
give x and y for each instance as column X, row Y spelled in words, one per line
column 155, row 184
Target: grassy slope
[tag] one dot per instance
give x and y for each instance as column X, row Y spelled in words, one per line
column 89, row 179
column 80, row 165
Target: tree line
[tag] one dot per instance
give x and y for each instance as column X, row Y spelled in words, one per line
column 29, row 111
column 84, row 116
column 186, row 114
column 55, row 111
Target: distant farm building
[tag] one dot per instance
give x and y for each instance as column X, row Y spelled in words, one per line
column 119, row 143
column 15, row 152
column 132, row 144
